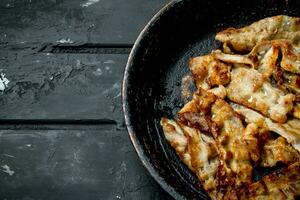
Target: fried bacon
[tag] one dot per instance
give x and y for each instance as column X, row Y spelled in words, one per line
column 249, row 88
column 227, row 129
column 196, row 150
column 290, row 55
column 296, row 110
column 278, row 150
column 233, row 151
column 287, row 82
column 242, row 103
column 277, row 27
column 208, row 71
column 289, row 130
column 281, row 185
column 263, row 57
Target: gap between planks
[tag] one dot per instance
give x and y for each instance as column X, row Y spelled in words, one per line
column 86, row 48
column 59, row 124
column 71, row 48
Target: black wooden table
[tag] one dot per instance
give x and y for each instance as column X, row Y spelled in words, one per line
column 62, row 129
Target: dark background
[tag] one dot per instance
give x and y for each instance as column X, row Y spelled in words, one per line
column 62, row 132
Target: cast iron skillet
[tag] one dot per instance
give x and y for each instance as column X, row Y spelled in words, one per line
column 156, row 65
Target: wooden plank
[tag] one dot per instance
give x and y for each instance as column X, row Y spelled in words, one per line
column 72, row 164
column 61, row 86
column 74, row 21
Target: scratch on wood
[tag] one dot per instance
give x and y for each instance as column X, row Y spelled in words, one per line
column 7, row 155
column 51, row 155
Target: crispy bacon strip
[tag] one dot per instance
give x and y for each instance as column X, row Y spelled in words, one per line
column 249, row 88
column 196, row 150
column 278, row 150
column 233, row 151
column 277, row 27
column 264, row 57
column 281, row 185
column 191, row 116
column 296, row 110
column 287, row 81
column 219, row 119
column 289, row 130
column 233, row 58
column 251, row 139
column 208, row 71
column 290, row 55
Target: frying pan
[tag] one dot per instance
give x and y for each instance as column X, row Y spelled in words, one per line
column 156, row 65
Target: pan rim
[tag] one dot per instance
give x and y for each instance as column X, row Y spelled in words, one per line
column 137, row 146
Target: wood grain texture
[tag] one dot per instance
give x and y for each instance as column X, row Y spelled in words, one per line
column 61, row 86
column 76, row 21
column 73, row 164
column 62, row 132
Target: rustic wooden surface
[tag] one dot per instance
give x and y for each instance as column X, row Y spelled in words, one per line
column 62, row 133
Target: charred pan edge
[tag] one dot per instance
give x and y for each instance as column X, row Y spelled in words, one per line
column 140, row 151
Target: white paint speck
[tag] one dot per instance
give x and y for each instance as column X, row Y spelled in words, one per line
column 89, row 3
column 109, row 62
column 3, row 82
column 6, row 169
column 65, row 41
column 78, row 64
column 118, row 197
column 107, row 68
column 76, row 157
column 48, row 54
column 25, row 147
column 98, row 72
